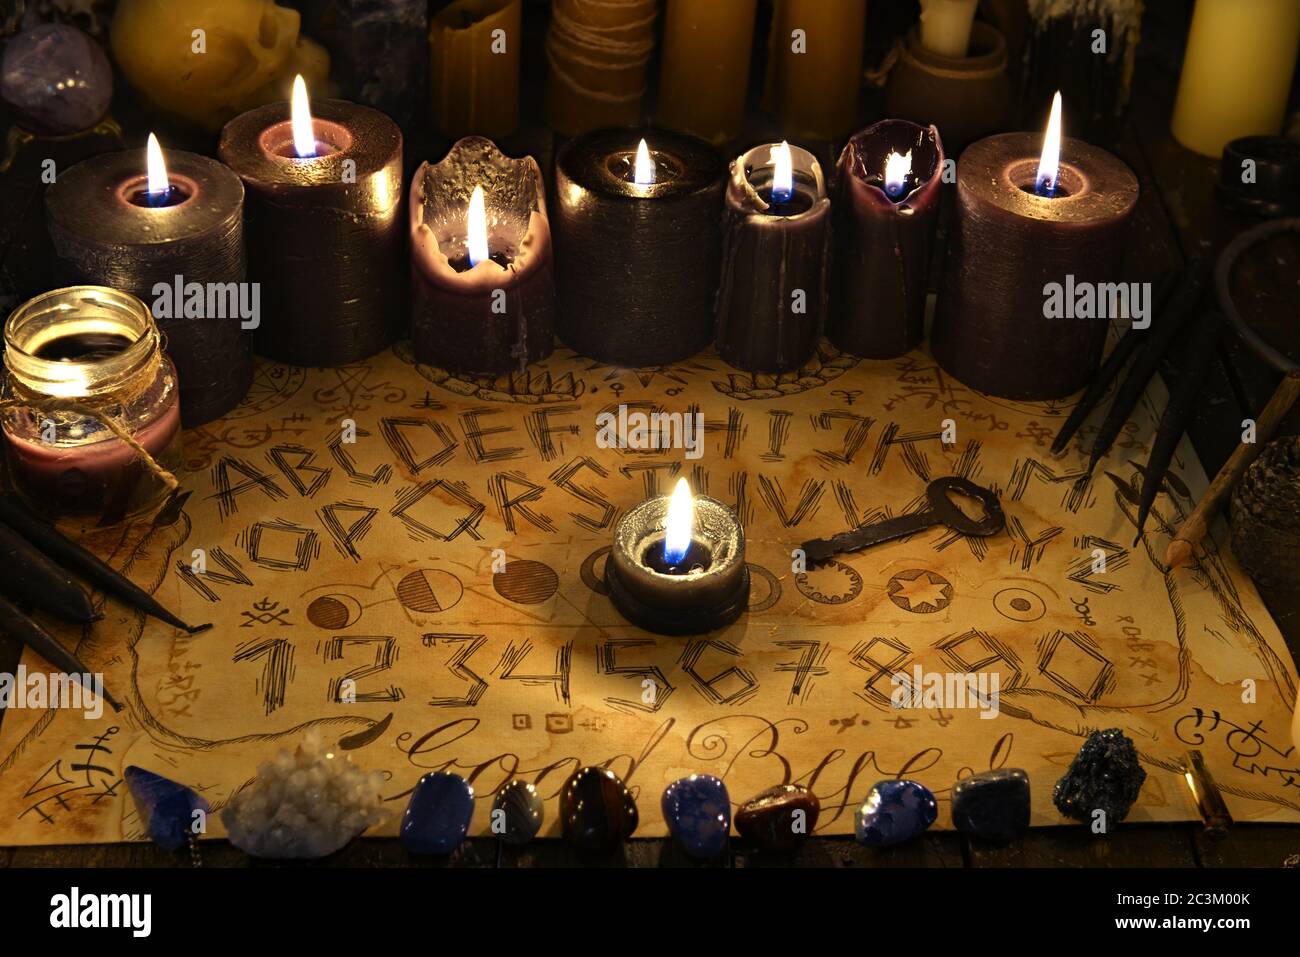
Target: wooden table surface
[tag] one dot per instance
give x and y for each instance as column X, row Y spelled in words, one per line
column 1175, row 221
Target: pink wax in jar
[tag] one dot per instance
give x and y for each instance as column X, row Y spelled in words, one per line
column 98, row 348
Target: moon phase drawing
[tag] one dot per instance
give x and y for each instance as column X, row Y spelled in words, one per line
column 526, row 582
column 334, row 612
column 429, row 591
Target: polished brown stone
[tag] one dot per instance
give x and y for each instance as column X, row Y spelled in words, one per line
column 769, row 819
column 596, row 811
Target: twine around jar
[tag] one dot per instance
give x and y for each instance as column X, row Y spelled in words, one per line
column 130, row 388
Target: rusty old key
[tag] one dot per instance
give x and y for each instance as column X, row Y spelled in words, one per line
column 942, row 511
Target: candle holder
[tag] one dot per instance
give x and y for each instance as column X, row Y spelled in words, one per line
column 966, row 97
column 459, row 321
column 86, row 369
column 107, row 230
column 707, row 589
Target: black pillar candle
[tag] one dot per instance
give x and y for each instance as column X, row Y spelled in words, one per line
column 325, row 232
column 887, row 190
column 1008, row 245
column 775, row 258
column 486, row 311
column 637, row 263
column 109, row 230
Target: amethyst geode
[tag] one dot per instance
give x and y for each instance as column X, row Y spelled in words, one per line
column 56, row 80
column 1105, row 775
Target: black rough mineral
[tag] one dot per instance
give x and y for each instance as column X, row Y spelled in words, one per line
column 1105, row 775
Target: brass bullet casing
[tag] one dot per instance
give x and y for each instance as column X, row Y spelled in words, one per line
column 1209, row 802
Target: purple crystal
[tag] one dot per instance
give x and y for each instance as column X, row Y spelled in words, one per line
column 56, row 80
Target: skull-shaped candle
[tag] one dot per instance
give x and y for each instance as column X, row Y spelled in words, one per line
column 209, row 60
column 482, row 296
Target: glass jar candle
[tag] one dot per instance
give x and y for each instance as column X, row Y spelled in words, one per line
column 88, row 390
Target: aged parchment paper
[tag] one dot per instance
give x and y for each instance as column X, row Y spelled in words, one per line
column 372, row 563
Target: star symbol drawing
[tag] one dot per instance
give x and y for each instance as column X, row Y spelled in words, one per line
column 920, row 592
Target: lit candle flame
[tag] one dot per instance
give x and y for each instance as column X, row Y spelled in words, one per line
column 645, row 166
column 476, row 227
column 304, row 136
column 681, row 523
column 159, row 185
column 782, row 174
column 898, row 166
column 1049, row 164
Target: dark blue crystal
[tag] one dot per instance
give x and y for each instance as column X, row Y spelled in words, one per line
column 697, row 810
column 894, row 812
column 1105, row 775
column 166, row 809
column 438, row 815
column 992, row 805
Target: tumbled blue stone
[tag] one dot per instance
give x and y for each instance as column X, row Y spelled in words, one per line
column 894, row 812
column 166, row 809
column 55, row 79
column 992, row 805
column 697, row 810
column 438, row 815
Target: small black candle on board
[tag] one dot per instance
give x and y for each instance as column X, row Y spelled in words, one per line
column 325, row 232
column 638, row 245
column 887, row 191
column 169, row 230
column 775, row 259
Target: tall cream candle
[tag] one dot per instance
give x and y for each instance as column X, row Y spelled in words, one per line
column 945, row 26
column 814, row 68
column 705, row 71
column 1236, row 72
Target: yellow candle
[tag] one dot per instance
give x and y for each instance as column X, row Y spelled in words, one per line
column 1237, row 71
column 598, row 52
column 815, row 66
column 705, row 69
column 474, row 67
column 945, row 26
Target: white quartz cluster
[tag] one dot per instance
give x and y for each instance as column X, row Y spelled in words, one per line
column 304, row 804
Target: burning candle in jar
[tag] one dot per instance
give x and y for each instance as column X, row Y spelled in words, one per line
column 91, row 414
column 887, row 191
column 169, row 229
column 776, row 252
column 482, row 291
column 324, row 193
column 637, row 231
column 677, row 566
column 1027, row 224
